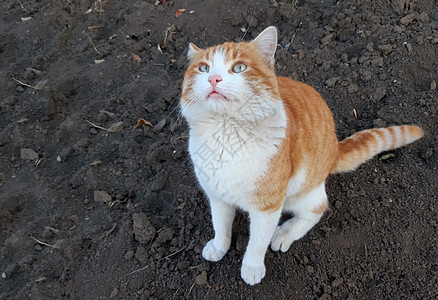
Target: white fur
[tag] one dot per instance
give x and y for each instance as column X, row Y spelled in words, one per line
column 296, row 182
column 304, row 218
column 389, row 138
column 398, row 137
column 380, row 142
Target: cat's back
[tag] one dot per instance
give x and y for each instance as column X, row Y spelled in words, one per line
column 304, row 104
column 311, row 126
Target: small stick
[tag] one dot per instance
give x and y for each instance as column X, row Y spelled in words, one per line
column 174, row 295
column 107, row 233
column 97, row 126
column 191, row 288
column 170, row 255
column 22, row 6
column 92, row 44
column 39, row 242
column 25, row 84
column 292, row 39
column 133, row 272
column 166, row 257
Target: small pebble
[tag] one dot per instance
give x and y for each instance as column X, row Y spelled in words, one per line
column 337, row 282
column 406, row 20
column 352, row 88
column 101, row 196
column 28, row 154
column 129, row 254
column 201, row 279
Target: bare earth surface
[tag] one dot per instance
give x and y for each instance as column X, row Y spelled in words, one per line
column 92, row 213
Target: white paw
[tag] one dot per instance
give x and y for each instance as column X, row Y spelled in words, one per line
column 282, row 238
column 252, row 275
column 211, row 253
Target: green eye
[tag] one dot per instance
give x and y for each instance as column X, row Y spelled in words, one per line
column 239, row 67
column 204, row 68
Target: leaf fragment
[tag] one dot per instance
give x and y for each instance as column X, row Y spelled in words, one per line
column 179, row 12
column 136, row 57
column 387, row 156
column 141, row 122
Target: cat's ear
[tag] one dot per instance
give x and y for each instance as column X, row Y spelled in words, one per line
column 266, row 43
column 192, row 51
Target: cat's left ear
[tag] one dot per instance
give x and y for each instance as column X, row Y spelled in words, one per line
column 192, row 51
column 266, row 43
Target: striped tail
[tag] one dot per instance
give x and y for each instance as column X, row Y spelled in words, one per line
column 363, row 145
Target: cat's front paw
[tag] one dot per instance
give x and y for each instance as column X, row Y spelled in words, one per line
column 252, row 275
column 211, row 253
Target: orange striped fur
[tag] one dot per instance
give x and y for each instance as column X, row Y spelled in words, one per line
column 363, row 145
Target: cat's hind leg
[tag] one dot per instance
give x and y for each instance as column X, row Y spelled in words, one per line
column 223, row 216
column 307, row 210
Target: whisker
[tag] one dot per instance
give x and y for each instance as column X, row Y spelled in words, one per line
column 182, row 113
column 173, row 110
column 249, row 25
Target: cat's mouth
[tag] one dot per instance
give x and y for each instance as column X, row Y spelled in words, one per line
column 214, row 95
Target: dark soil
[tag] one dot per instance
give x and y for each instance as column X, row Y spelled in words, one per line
column 88, row 213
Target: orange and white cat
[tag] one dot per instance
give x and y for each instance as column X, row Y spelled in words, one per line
column 265, row 144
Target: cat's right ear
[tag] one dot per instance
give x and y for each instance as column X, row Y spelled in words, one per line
column 192, row 51
column 266, row 43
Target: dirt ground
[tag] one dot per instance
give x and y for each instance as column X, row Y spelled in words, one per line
column 91, row 208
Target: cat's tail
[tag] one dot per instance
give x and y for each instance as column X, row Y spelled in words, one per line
column 363, row 145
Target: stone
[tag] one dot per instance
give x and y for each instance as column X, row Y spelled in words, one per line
column 143, row 229
column 424, row 16
column 352, row 88
column 379, row 93
column 331, row 82
column 102, row 196
column 327, row 39
column 141, row 254
column 28, row 154
column 201, row 279
column 129, row 254
column 385, row 49
column 408, row 19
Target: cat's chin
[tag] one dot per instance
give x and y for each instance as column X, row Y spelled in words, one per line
column 219, row 104
column 215, row 96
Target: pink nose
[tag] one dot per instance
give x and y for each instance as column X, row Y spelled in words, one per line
column 214, row 80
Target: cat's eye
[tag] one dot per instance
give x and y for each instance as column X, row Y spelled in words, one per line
column 239, row 67
column 204, row 68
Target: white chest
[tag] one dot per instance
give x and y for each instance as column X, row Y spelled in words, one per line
column 230, row 159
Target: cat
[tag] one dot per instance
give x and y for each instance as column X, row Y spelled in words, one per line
column 265, row 144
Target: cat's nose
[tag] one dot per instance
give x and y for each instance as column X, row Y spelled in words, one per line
column 214, row 80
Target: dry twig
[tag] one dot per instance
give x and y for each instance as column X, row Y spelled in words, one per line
column 97, row 126
column 92, row 44
column 145, row 267
column 24, row 84
column 22, row 6
column 41, row 243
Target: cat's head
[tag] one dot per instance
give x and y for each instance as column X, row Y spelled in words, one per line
column 232, row 79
